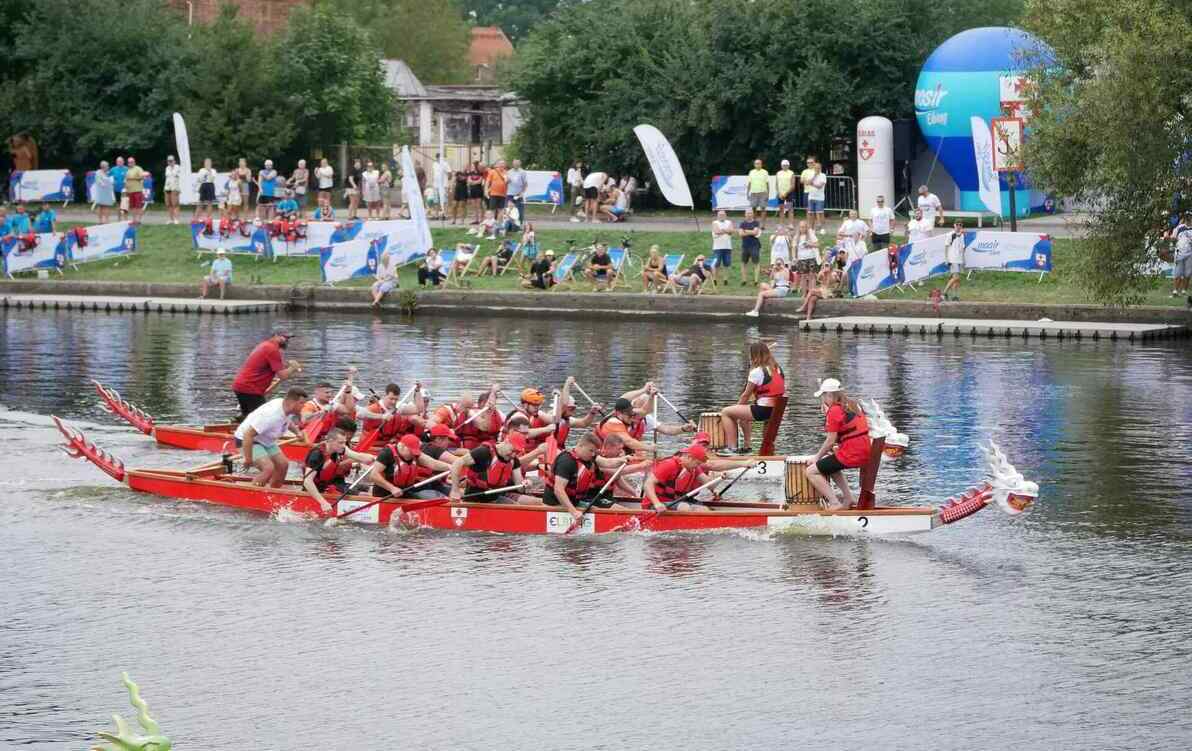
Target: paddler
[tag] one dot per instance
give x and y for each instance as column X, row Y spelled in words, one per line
column 439, row 443
column 634, row 423
column 328, row 464
column 399, row 465
column 530, row 407
column 258, row 433
column 571, row 478
column 610, row 459
column 674, row 477
column 264, row 368
column 490, row 466
column 846, row 444
column 482, row 424
column 763, row 385
column 392, row 420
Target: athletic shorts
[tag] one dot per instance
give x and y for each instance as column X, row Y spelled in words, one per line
column 270, row 449
column 475, row 191
column 781, row 291
column 615, row 211
column 136, row 200
column 829, row 465
column 725, row 256
column 263, row 200
column 757, row 201
column 592, row 193
column 815, row 206
column 881, row 241
column 760, row 413
column 751, row 255
column 806, row 266
column 1183, row 268
column 206, row 192
column 386, row 286
column 496, row 203
column 248, row 402
column 956, row 268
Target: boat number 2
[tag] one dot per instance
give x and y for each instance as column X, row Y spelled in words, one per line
column 761, row 468
column 863, row 521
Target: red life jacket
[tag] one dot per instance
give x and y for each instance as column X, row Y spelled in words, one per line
column 578, row 486
column 403, row 473
column 27, row 242
column 327, row 421
column 636, row 428
column 498, row 475
column 391, row 428
column 80, row 235
column 684, row 482
column 535, row 422
column 562, row 430
column 225, row 227
column 334, row 467
column 773, row 384
column 856, row 428
column 208, row 227
column 471, row 435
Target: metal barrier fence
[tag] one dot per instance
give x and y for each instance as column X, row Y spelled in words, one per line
column 840, row 194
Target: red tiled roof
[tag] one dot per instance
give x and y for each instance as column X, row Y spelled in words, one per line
column 488, row 44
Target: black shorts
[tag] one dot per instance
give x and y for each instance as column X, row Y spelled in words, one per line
column 592, row 193
column 476, row 191
column 263, row 200
column 880, row 241
column 461, row 191
column 760, row 413
column 496, row 203
column 751, row 255
column 829, row 465
column 248, row 402
column 207, row 193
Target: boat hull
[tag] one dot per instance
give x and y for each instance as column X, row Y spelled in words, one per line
column 217, row 439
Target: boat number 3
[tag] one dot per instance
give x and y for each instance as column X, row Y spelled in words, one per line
column 863, row 521
column 761, row 468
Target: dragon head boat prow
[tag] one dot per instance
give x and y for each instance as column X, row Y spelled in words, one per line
column 117, row 405
column 881, row 427
column 78, row 447
column 1005, row 486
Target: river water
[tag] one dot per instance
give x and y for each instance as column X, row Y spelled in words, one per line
column 1065, row 628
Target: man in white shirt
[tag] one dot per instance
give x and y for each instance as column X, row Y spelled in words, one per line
column 815, row 198
column 882, row 218
column 929, row 204
column 918, row 229
column 955, row 257
column 722, row 244
column 258, row 435
column 442, row 175
column 1182, row 258
column 592, row 186
column 854, row 226
column 575, row 183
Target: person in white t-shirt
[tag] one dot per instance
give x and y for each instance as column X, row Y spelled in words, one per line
column 258, row 434
column 780, row 245
column 593, row 183
column 575, row 184
column 918, row 229
column 882, row 218
column 442, row 174
column 807, row 256
column 854, row 226
column 929, row 204
column 722, row 244
column 815, row 198
column 955, row 257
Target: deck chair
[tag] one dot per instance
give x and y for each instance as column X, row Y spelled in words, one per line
column 517, row 253
column 565, row 269
column 671, row 265
column 453, row 274
column 620, row 259
column 447, row 256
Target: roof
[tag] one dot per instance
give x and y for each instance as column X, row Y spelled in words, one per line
column 402, row 80
column 489, row 43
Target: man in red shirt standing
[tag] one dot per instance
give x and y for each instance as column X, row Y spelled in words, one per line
column 258, row 373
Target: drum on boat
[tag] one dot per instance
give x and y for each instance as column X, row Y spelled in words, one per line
column 798, row 488
column 709, row 422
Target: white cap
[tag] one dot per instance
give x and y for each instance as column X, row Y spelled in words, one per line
column 268, row 162
column 828, row 386
column 220, row 251
column 786, row 162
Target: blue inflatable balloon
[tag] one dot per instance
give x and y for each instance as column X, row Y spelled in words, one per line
column 963, row 78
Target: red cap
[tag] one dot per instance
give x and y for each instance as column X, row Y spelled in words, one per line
column 697, row 452
column 517, row 440
column 702, row 438
column 411, row 442
column 439, row 430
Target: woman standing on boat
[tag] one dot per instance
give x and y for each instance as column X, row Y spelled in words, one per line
column 846, row 445
column 764, row 383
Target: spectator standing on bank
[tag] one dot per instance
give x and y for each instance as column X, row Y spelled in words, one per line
column 815, row 197
column 220, row 274
column 459, row 197
column 575, row 185
column 206, row 180
column 955, row 257
column 593, row 184
column 388, row 189
column 475, row 178
column 759, row 193
column 722, row 245
column 442, row 179
column 496, row 188
column 118, row 173
column 266, row 191
column 751, row 246
column 516, row 183
column 805, row 182
column 1182, row 258
column 807, row 256
column 299, row 183
column 780, row 246
column 784, row 181
column 918, row 228
column 325, row 181
column 234, row 197
column 46, row 220
column 103, row 192
column 352, row 188
column 134, row 188
column 929, row 204
column 370, row 190
column 172, row 188
column 883, row 222
column 243, row 175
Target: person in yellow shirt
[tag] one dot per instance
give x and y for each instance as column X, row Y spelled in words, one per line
column 759, row 191
column 805, row 178
column 785, row 182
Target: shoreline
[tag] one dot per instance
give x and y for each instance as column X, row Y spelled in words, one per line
column 607, row 305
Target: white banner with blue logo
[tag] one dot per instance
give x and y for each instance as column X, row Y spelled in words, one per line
column 103, row 241
column 344, row 261
column 870, row 274
column 89, row 180
column 664, row 163
column 731, row 193
column 1007, row 251
column 920, row 260
column 43, row 255
column 41, row 185
column 245, row 238
column 544, row 187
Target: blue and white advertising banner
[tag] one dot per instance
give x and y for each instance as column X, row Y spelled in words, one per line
column 544, row 187
column 731, row 193
column 664, row 163
column 89, row 180
column 47, row 253
column 322, row 235
column 1007, row 251
column 256, row 242
column 103, row 241
column 52, row 185
column 870, row 274
column 344, row 261
column 925, row 258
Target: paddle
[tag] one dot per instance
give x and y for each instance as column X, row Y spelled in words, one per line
column 578, row 522
column 584, row 394
column 372, row 503
column 324, row 420
column 670, row 404
column 643, row 518
column 367, row 441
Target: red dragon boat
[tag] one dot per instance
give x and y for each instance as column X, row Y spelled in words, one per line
column 214, row 484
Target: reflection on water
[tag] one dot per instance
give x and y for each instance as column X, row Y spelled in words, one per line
column 442, row 640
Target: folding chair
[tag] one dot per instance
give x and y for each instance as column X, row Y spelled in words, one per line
column 620, row 258
column 565, row 269
column 447, row 256
column 517, row 253
column 454, row 273
column 671, row 265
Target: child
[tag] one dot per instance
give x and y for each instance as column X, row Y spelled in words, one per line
column 892, row 258
column 46, row 221
column 846, row 444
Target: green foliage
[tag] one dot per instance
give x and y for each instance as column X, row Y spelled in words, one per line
column 407, row 301
column 431, row 36
column 1110, row 127
column 515, row 17
column 331, row 70
column 726, row 82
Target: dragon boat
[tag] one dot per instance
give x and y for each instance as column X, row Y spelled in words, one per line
column 217, row 484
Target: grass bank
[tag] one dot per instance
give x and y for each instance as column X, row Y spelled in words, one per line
column 166, row 255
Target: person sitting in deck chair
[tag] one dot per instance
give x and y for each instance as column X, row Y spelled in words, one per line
column 600, row 268
column 690, row 280
column 220, row 275
column 542, row 272
column 495, row 263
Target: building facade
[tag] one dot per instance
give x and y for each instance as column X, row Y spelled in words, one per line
column 267, row 16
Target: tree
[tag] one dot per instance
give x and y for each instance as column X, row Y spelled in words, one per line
column 240, row 108
column 515, row 17
column 332, row 74
column 431, row 36
column 93, row 78
column 1111, row 127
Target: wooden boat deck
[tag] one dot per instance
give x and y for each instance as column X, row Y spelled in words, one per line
column 118, row 304
column 1133, row 332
